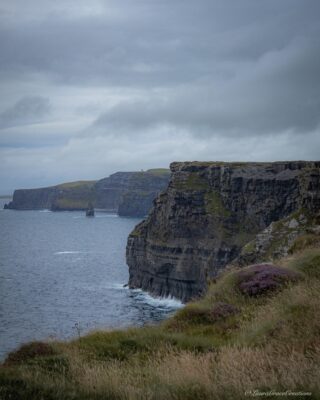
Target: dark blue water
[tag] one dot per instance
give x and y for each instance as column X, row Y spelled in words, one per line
column 62, row 269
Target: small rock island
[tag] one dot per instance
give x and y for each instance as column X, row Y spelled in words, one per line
column 90, row 210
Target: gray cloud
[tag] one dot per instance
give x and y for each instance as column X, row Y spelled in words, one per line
column 150, row 43
column 133, row 84
column 28, row 110
column 280, row 92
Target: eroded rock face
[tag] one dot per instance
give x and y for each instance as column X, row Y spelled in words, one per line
column 126, row 193
column 69, row 196
column 279, row 238
column 130, row 193
column 264, row 278
column 208, row 213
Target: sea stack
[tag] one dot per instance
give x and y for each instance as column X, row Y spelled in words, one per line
column 90, row 210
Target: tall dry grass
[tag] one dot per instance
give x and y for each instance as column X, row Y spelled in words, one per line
column 229, row 373
column 274, row 345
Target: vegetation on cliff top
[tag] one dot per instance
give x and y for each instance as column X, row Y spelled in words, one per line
column 159, row 171
column 77, row 184
column 219, row 347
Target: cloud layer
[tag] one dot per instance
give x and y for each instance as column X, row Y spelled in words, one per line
column 92, row 89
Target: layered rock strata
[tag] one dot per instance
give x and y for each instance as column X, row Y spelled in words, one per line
column 130, row 193
column 68, row 196
column 205, row 217
column 126, row 193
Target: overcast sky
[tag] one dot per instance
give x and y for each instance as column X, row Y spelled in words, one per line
column 89, row 88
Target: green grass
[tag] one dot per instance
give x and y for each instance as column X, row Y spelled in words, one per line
column 77, row 185
column 272, row 343
column 232, row 164
column 307, row 262
column 303, row 242
column 215, row 206
column 193, row 182
column 159, row 171
column 65, row 203
column 249, row 247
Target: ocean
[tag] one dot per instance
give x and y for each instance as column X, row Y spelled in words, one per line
column 63, row 274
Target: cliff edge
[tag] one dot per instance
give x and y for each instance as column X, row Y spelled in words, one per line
column 126, row 193
column 209, row 212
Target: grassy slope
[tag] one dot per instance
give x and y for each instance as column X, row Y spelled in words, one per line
column 75, row 195
column 271, row 344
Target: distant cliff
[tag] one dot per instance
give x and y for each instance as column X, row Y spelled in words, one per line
column 67, row 196
column 209, row 212
column 129, row 193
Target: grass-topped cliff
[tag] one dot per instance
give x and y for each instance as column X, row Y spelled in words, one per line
column 128, row 193
column 213, row 213
column 66, row 196
column 255, row 329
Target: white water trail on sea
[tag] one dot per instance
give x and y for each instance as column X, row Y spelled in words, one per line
column 69, row 252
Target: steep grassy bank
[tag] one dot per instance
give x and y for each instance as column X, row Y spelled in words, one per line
column 220, row 347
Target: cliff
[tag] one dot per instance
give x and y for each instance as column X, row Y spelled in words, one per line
column 129, row 193
column 209, row 212
column 68, row 196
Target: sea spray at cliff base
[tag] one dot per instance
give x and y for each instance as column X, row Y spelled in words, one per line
column 208, row 214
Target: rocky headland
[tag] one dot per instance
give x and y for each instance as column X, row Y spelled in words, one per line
column 214, row 214
column 126, row 193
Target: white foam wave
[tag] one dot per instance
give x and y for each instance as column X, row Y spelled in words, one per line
column 119, row 286
column 45, row 211
column 159, row 302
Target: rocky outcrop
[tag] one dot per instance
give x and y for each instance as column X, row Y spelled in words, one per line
column 281, row 238
column 129, row 193
column 208, row 213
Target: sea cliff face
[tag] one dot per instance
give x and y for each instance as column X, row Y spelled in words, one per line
column 131, row 193
column 68, row 196
column 209, row 212
column 128, row 193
